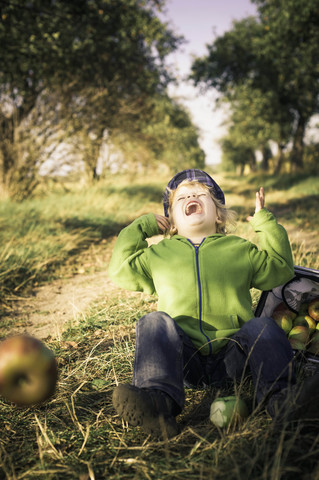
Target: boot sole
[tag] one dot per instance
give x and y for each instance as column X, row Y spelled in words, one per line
column 133, row 405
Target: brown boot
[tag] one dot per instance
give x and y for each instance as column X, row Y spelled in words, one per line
column 153, row 410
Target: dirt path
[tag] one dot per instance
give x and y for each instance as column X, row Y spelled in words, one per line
column 56, row 306
column 53, row 307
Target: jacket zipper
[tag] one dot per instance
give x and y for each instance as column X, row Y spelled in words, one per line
column 200, row 292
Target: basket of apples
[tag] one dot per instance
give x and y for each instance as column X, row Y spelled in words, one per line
column 295, row 308
column 302, row 328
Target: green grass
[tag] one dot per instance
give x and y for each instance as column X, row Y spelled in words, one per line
column 40, row 236
column 76, row 435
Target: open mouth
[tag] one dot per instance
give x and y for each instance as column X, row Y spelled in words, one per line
column 193, row 207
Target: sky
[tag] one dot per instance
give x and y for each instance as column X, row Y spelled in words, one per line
column 200, row 21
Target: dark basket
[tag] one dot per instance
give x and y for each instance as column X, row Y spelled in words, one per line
column 303, row 287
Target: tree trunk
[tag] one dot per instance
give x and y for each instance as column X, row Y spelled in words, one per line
column 296, row 157
column 280, row 158
column 252, row 161
column 265, row 162
column 7, row 149
column 241, row 169
column 266, row 156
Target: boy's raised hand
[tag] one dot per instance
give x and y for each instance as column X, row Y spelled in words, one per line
column 162, row 222
column 260, row 201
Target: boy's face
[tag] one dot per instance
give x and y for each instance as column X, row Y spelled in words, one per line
column 194, row 211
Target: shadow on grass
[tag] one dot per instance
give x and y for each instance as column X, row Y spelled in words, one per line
column 251, row 184
column 151, row 193
column 198, row 409
column 102, row 228
column 95, row 229
column 298, row 210
column 282, row 181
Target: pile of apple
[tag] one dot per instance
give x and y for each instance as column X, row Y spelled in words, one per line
column 302, row 328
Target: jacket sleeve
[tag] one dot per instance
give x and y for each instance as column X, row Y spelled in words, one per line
column 128, row 267
column 273, row 264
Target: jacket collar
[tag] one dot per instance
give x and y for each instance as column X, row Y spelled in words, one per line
column 206, row 239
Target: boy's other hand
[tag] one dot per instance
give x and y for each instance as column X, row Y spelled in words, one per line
column 162, row 222
column 260, row 201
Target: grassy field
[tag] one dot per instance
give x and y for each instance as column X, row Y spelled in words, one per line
column 76, row 435
column 46, row 237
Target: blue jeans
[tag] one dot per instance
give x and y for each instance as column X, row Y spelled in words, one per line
column 166, row 359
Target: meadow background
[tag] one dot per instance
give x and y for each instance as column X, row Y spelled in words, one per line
column 70, row 230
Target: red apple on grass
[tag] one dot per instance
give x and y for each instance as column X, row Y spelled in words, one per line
column 28, row 370
column 299, row 337
column 313, row 309
column 284, row 317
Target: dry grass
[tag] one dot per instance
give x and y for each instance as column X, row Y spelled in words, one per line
column 76, row 435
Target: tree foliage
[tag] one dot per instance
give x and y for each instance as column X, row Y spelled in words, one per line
column 171, row 135
column 253, row 124
column 158, row 131
column 276, row 54
column 96, row 61
column 88, row 43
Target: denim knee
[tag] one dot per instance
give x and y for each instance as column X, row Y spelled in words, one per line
column 156, row 322
column 262, row 335
column 261, row 327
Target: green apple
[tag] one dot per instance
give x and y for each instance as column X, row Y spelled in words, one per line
column 299, row 337
column 28, row 370
column 313, row 309
column 303, row 310
column 284, row 317
column 314, row 344
column 311, row 322
column 297, row 344
column 307, row 321
column 226, row 411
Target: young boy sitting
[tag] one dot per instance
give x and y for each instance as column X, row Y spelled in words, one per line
column 204, row 331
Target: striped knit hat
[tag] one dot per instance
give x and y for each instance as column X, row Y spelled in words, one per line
column 191, row 174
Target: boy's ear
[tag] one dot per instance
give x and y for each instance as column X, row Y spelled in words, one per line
column 218, row 220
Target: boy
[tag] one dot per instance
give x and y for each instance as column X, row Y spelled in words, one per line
column 204, row 331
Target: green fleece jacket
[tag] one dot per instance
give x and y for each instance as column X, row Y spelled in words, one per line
column 206, row 289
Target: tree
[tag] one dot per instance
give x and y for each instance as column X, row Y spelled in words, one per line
column 277, row 52
column 158, row 131
column 93, row 54
column 236, row 154
column 171, row 135
column 252, row 125
column 292, row 41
